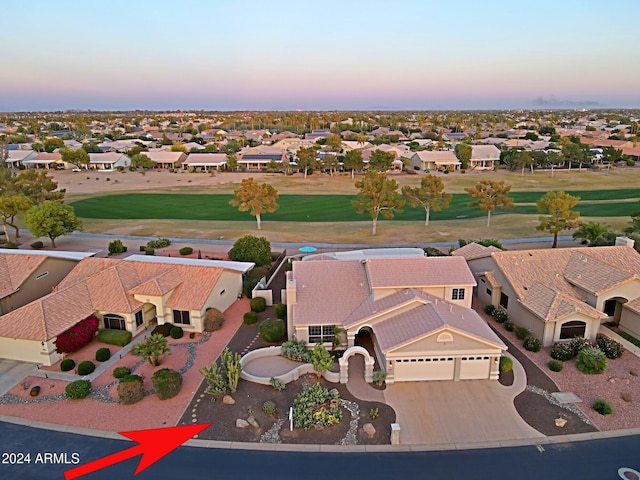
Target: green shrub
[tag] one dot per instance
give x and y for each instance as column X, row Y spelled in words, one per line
column 250, row 318
column 67, row 364
column 296, row 350
column 500, row 316
column 176, row 332
column 103, row 354
column 555, row 365
column 167, row 383
column 116, row 247
column 186, row 251
column 532, row 344
column 149, row 251
column 143, row 248
column 591, row 360
column 78, row 389
column 578, row 343
column 522, row 332
column 506, row 364
column 630, row 338
column 120, row 372
column 489, row 309
column 281, row 311
column 269, row 407
column 130, row 389
column 316, row 407
column 37, row 245
column 164, row 329
column 159, row 243
column 609, row 347
column 213, row 320
column 119, row 338
column 248, row 284
column 602, row 407
column 86, row 367
column 278, row 384
column 251, row 249
column 508, row 326
column 562, row 351
column 272, row 330
column 258, row 304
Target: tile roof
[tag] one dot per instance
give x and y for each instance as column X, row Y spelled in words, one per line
column 433, row 155
column 485, row 152
column 108, row 285
column 633, row 305
column 551, row 305
column 474, row 250
column 418, row 272
column 593, row 275
column 15, row 269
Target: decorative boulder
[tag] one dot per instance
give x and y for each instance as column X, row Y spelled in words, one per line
column 253, row 422
column 369, row 429
column 240, row 423
column 35, row 391
column 228, row 400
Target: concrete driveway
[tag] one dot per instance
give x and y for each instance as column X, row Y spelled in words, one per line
column 458, row 413
column 12, row 372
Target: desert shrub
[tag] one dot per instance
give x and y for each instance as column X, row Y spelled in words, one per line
column 186, row 251
column 532, row 344
column 578, row 343
column 149, row 251
column 67, row 364
column 490, row 242
column 508, row 326
column 316, row 407
column 130, row 389
column 295, row 350
column 258, row 304
column 272, row 330
column 250, row 318
column 164, row 329
column 591, row 360
column 555, row 365
column 167, row 383
column 626, row 397
column 269, row 407
column 280, row 310
column 77, row 336
column 506, row 364
column 562, row 351
column 522, row 332
column 78, row 389
column 602, row 407
column 489, row 309
column 37, row 245
column 120, row 372
column 103, row 354
column 248, row 284
column 610, row 347
column 276, row 383
column 143, row 248
column 378, row 378
column 500, row 316
column 176, row 332
column 116, row 247
column 251, row 249
column 86, row 367
column 159, row 243
column 119, row 338
column 213, row 320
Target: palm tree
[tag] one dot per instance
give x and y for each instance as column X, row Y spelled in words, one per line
column 590, row 231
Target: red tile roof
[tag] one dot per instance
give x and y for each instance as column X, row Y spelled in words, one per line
column 15, row 269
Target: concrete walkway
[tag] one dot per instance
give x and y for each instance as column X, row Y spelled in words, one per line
column 470, row 411
column 356, row 384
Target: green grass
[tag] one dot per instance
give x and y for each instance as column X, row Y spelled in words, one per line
column 326, row 208
column 630, row 338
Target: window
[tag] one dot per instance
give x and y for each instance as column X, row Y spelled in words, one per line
column 489, row 292
column 504, row 300
column 222, row 291
column 572, row 329
column 115, row 322
column 181, row 317
column 321, row 334
column 610, row 307
column 139, row 318
column 42, row 275
column 457, row 294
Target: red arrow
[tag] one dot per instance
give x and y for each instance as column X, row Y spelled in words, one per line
column 153, row 444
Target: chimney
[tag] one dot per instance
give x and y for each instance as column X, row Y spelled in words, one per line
column 291, row 289
column 624, row 242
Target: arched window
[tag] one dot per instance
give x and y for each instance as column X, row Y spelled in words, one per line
column 444, row 337
column 572, row 329
column 113, row 321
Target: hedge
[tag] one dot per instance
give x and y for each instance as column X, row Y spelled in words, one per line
column 120, row 372
column 281, row 311
column 167, row 383
column 258, row 304
column 78, row 389
column 67, row 364
column 130, row 389
column 186, row 251
column 77, row 336
column 176, row 332
column 250, row 318
column 272, row 330
column 119, row 338
column 86, row 367
column 103, row 354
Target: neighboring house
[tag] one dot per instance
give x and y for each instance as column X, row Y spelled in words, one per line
column 129, row 294
column 348, row 145
column 16, row 157
column 435, row 160
column 560, row 293
column 165, row 159
column 316, row 134
column 414, row 310
column 292, row 145
column 45, row 160
column 107, row 162
column 484, row 157
column 72, row 144
column 26, row 275
column 257, row 158
column 206, row 161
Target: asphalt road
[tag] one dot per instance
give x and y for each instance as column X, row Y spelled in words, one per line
column 594, row 459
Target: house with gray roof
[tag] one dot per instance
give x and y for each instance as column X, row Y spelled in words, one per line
column 414, row 313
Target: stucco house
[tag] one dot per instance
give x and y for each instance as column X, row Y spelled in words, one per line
column 16, row 157
column 127, row 294
column 107, row 162
column 45, row 160
column 484, row 157
column 166, row 159
column 257, row 158
column 206, row 161
column 435, row 160
column 560, row 293
column 415, row 311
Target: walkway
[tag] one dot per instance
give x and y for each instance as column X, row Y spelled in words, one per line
column 356, row 384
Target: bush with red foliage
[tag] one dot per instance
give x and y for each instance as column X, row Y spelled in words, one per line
column 77, row 336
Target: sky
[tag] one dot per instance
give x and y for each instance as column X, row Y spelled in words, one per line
column 328, row 55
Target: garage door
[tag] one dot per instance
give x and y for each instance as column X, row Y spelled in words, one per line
column 472, row 368
column 417, row 369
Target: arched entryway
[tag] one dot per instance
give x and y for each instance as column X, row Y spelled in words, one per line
column 344, row 363
column 613, row 308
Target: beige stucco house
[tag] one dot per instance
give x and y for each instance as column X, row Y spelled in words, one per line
column 129, row 294
column 415, row 311
column 560, row 293
column 435, row 160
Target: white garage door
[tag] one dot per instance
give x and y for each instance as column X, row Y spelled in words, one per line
column 472, row 368
column 417, row 369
